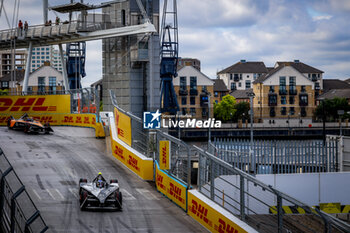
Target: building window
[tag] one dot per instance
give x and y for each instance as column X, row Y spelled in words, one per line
column 303, row 89
column 193, row 100
column 183, row 100
column 184, row 111
column 272, row 112
column 5, row 84
column 193, row 111
column 204, row 112
column 255, row 76
column 303, row 100
column 193, row 83
column 41, row 84
column 204, row 89
column 183, row 83
column 52, row 84
column 291, row 111
column 283, row 90
column 303, row 112
column 236, row 77
column 283, row 100
column 291, row 100
column 272, row 89
column 283, row 111
column 216, row 94
column 247, row 84
column 230, row 76
column 273, row 100
column 240, row 76
column 239, row 84
column 233, row 86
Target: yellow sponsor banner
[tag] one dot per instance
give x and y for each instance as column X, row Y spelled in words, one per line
column 123, row 123
column 210, row 218
column 164, row 155
column 171, row 188
column 34, row 104
column 331, row 208
column 143, row 168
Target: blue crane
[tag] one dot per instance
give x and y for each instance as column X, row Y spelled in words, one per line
column 75, row 64
column 169, row 58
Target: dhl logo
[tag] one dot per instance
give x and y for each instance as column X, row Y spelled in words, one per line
column 121, row 132
column 164, row 155
column 226, row 228
column 46, row 119
column 79, row 120
column 160, row 179
column 200, row 211
column 68, row 119
column 86, row 120
column 176, row 192
column 25, row 104
column 133, row 162
column 119, row 152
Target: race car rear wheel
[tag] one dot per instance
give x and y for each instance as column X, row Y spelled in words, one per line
column 119, row 199
column 113, row 181
column 82, row 196
column 26, row 128
column 82, row 180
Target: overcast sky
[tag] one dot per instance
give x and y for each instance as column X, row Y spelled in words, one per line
column 222, row 32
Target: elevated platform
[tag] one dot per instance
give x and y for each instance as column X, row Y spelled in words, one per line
column 41, row 35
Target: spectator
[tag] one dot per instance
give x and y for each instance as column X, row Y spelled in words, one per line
column 47, row 23
column 20, row 27
column 57, row 20
column 25, row 26
column 50, row 22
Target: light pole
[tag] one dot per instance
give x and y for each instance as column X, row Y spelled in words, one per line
column 340, row 113
column 251, row 96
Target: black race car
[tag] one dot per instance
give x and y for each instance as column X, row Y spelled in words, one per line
column 100, row 194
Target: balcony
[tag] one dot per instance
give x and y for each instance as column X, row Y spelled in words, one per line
column 292, row 90
column 183, row 92
column 283, row 91
column 303, row 99
column 193, row 92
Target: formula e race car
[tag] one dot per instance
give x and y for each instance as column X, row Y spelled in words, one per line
column 100, row 194
column 28, row 124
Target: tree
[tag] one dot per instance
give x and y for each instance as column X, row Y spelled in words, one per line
column 331, row 107
column 242, row 111
column 225, row 110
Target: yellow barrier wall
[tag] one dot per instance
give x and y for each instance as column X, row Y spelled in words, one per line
column 210, row 218
column 123, row 123
column 35, row 104
column 173, row 189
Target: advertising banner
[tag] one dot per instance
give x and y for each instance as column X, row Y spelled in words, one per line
column 34, row 104
column 210, row 218
column 172, row 188
column 142, row 167
column 164, row 155
column 123, row 123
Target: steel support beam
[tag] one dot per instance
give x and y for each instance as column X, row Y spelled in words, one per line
column 65, row 74
column 27, row 71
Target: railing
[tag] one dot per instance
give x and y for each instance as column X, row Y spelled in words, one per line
column 18, row 212
column 277, row 157
column 256, row 203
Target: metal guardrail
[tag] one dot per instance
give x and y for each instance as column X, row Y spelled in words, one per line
column 146, row 141
column 18, row 212
column 276, row 157
column 258, row 204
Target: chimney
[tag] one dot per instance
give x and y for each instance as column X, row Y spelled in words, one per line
column 296, row 61
column 243, row 61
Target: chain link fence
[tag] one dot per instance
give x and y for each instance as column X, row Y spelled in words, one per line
column 18, row 212
column 258, row 204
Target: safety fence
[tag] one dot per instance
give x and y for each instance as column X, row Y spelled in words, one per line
column 18, row 212
column 257, row 203
column 276, row 157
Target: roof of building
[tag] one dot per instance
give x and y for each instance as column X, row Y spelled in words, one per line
column 329, row 84
column 299, row 66
column 340, row 93
column 219, row 85
column 245, row 67
column 19, row 76
column 98, row 82
column 263, row 77
column 46, row 64
column 241, row 94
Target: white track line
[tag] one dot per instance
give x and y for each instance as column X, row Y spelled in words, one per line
column 127, row 195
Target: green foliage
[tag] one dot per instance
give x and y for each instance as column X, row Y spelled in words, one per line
column 331, row 107
column 242, row 111
column 4, row 92
column 225, row 110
